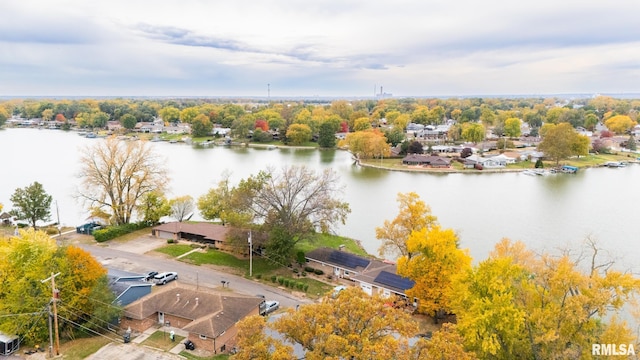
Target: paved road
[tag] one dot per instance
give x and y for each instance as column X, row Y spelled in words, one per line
column 135, row 257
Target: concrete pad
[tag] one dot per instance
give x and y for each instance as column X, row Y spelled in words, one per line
column 131, row 352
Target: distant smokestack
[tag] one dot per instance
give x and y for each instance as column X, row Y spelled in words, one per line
column 380, row 90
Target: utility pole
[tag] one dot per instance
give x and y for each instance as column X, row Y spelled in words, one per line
column 250, row 255
column 54, row 299
column 58, row 216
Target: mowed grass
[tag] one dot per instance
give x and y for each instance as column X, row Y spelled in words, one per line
column 220, row 258
column 161, row 340
column 330, row 241
column 82, row 348
column 175, row 249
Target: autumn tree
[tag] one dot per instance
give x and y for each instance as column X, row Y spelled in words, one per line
column 169, row 114
column 512, row 127
column 182, row 207
column 413, row 215
column 188, row 114
column 201, row 126
column 291, row 203
column 4, row 115
column 361, row 124
column 519, row 304
column 619, row 124
column 561, row 141
column 229, row 204
column 445, row 344
column 116, row 175
column 436, row 260
column 298, row 134
column 473, row 132
column 367, row 144
column 254, row 344
column 350, row 326
column 84, row 298
column 31, row 203
column 153, row 206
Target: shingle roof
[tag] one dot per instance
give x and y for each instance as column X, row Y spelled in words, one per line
column 208, row 231
column 212, row 312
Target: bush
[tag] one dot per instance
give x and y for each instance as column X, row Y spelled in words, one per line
column 112, row 232
column 308, row 269
column 295, row 271
column 305, row 287
column 286, row 282
column 318, row 272
column 280, row 280
column 300, row 285
column 170, row 241
column 300, row 259
column 304, row 273
column 258, row 276
column 274, row 278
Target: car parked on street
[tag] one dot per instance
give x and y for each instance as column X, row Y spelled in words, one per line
column 270, row 306
column 165, row 277
column 150, row 275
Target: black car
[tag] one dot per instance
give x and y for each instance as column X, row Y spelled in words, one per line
column 149, row 276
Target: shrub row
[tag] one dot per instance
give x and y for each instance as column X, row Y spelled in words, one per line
column 112, row 232
column 290, row 283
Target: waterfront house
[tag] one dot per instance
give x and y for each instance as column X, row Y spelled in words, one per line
column 206, row 233
column 426, row 160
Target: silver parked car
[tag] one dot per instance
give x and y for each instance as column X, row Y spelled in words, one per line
column 165, row 277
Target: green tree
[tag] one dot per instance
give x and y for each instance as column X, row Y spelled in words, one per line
column 298, row 134
column 512, row 127
column 116, row 176
column 561, row 141
column 4, row 115
column 153, row 207
column 31, row 203
column 201, row 126
column 128, row 121
column 327, row 135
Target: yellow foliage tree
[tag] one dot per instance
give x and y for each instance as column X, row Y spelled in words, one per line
column 518, row 304
column 351, row 325
column 367, row 144
column 436, row 262
column 413, row 215
column 619, row 124
column 254, row 344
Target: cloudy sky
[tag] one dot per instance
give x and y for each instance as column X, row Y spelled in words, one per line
column 318, row 47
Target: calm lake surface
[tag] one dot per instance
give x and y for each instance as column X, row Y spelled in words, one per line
column 544, row 212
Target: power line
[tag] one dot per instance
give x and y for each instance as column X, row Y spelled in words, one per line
column 86, row 328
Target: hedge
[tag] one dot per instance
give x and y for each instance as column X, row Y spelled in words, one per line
column 112, row 232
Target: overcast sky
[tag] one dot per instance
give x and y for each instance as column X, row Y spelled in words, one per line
column 318, row 47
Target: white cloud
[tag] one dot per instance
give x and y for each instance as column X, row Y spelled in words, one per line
column 412, row 47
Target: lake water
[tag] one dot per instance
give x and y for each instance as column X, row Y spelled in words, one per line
column 545, row 212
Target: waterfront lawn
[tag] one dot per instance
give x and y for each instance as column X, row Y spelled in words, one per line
column 331, row 241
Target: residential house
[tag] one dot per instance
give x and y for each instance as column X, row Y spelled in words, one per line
column 337, row 262
column 209, row 317
column 128, row 287
column 211, row 234
column 487, row 162
column 426, row 160
column 504, row 159
column 380, row 278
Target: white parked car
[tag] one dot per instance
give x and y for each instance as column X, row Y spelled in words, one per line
column 165, row 277
column 271, row 306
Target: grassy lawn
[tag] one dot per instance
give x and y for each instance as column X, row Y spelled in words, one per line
column 175, row 250
column 216, row 257
column 189, row 355
column 131, row 236
column 160, row 340
column 330, row 241
column 82, row 348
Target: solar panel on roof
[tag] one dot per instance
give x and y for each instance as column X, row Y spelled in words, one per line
column 394, row 280
column 348, row 260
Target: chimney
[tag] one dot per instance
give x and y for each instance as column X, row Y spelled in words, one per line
column 197, row 302
column 177, row 297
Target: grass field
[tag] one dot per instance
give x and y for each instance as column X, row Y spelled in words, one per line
column 160, row 340
column 82, row 348
column 175, row 250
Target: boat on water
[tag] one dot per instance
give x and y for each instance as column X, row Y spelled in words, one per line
column 271, row 147
column 536, row 172
column 91, row 135
column 613, row 164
